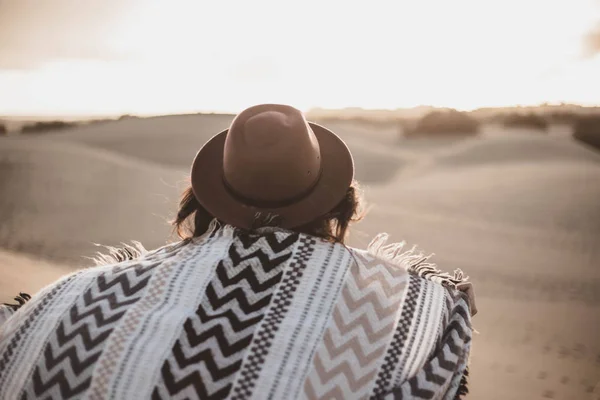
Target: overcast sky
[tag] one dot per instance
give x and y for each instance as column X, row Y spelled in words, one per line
column 150, row 56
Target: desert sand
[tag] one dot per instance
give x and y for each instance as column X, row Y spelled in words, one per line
column 518, row 212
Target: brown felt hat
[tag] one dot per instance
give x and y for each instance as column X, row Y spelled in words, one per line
column 272, row 162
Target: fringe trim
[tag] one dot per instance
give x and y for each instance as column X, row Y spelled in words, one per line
column 136, row 250
column 213, row 227
column 116, row 255
column 412, row 259
column 418, row 263
column 463, row 387
column 21, row 299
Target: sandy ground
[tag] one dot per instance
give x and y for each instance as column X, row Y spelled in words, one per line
column 21, row 272
column 518, row 212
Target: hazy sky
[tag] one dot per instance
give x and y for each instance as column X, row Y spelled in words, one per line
column 157, row 56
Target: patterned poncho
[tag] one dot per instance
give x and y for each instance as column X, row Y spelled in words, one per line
column 237, row 315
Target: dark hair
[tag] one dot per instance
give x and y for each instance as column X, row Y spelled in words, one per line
column 193, row 220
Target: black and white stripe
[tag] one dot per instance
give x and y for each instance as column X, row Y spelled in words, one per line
column 384, row 377
column 448, row 365
column 264, row 337
column 64, row 370
column 208, row 354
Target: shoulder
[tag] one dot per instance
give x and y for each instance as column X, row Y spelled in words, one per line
column 24, row 306
column 433, row 309
column 6, row 310
column 420, row 272
column 116, row 261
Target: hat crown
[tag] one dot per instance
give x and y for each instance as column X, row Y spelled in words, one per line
column 271, row 155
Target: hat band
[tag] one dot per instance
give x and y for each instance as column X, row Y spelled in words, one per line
column 270, row 204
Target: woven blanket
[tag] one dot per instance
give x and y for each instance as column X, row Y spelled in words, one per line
column 236, row 315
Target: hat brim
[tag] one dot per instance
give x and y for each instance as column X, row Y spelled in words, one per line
column 337, row 173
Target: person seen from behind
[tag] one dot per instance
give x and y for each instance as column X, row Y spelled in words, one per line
column 260, row 299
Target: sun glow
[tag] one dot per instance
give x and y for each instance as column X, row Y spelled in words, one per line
column 183, row 56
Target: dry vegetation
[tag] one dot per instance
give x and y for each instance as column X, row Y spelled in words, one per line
column 46, row 126
column 587, row 130
column 527, row 121
column 442, row 124
column 563, row 117
column 359, row 120
column 439, row 123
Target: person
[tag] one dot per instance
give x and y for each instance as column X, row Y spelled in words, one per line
column 261, row 298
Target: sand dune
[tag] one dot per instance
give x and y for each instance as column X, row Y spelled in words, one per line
column 511, row 149
column 169, row 140
column 60, row 198
column 28, row 273
column 512, row 195
column 174, row 140
column 529, row 236
column 519, row 213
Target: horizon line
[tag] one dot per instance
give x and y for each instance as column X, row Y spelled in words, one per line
column 91, row 115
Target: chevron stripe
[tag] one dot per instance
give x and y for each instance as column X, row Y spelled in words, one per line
column 88, row 342
column 246, row 315
column 334, row 393
column 353, row 344
column 20, row 333
column 263, row 340
column 66, row 389
column 78, row 363
column 218, row 333
column 105, row 370
column 206, row 357
column 394, row 351
column 237, row 323
column 239, row 295
column 193, row 380
column 448, row 364
column 355, row 381
column 273, row 245
column 208, row 354
column 370, row 300
column 68, row 360
column 248, row 275
column 276, row 243
column 362, row 324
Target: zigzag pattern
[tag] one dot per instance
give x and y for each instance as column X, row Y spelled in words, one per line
column 449, row 362
column 65, row 370
column 208, row 354
column 278, row 315
column 21, row 332
column 263, row 340
column 362, row 325
column 383, row 382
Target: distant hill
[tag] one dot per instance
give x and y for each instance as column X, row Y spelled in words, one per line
column 355, row 112
column 420, row 111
